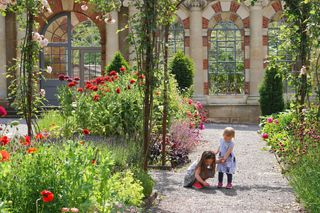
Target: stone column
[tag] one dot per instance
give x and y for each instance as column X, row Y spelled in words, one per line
column 132, row 56
column 196, row 52
column 3, row 81
column 256, row 52
column 112, row 44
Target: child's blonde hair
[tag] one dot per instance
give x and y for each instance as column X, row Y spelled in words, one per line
column 229, row 131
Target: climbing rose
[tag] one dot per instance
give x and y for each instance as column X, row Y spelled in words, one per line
column 3, row 111
column 269, row 120
column 74, row 210
column 85, row 131
column 4, row 140
column 31, row 150
column 47, row 196
column 80, row 89
column 65, row 209
column 118, row 90
column 265, row 136
column 122, row 69
column 4, row 155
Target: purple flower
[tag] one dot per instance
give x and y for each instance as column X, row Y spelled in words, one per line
column 201, row 126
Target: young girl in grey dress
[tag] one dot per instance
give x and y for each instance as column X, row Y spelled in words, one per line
column 200, row 171
column 227, row 157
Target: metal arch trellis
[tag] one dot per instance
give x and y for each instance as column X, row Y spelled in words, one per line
column 225, row 59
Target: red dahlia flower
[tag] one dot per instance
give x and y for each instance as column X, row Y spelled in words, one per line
column 132, row 81
column 3, row 111
column 61, row 77
column 118, row 90
column 94, row 88
column 47, row 196
column 4, row 140
column 72, row 84
column 96, row 97
column 122, row 69
column 113, row 73
column 85, row 131
column 4, row 155
column 80, row 89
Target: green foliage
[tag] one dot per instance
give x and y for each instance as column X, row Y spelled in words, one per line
column 117, row 62
column 183, row 69
column 79, row 175
column 271, row 92
column 297, row 145
column 146, row 181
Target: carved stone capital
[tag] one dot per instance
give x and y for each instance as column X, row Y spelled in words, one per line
column 195, row 3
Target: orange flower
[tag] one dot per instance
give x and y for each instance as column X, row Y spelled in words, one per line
column 4, row 155
column 31, row 150
column 39, row 136
column 81, row 142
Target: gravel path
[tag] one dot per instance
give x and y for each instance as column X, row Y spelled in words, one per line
column 258, row 183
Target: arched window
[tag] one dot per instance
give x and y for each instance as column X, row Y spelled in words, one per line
column 176, row 38
column 225, row 59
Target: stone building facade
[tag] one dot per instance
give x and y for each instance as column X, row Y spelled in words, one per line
column 227, row 40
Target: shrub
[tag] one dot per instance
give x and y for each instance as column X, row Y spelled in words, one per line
column 271, row 92
column 146, row 181
column 117, row 62
column 183, row 69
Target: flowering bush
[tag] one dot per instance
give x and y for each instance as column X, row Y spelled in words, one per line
column 180, row 142
column 295, row 138
column 68, row 175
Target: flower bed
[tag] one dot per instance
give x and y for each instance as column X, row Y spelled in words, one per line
column 295, row 138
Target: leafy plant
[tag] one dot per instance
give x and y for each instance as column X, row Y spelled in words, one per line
column 271, row 92
column 117, row 63
column 183, row 69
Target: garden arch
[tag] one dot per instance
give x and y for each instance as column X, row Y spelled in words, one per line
column 69, row 55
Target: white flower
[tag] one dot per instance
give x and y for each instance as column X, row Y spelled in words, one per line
column 42, row 93
column 36, row 36
column 45, row 3
column 74, row 210
column 84, row 7
column 303, row 70
column 44, row 42
column 49, row 10
column 49, row 69
column 74, row 104
column 109, row 20
column 304, row 110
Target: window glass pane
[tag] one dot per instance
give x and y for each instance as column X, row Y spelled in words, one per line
column 176, row 38
column 226, row 67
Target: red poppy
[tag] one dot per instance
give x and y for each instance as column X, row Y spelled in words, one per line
column 4, row 155
column 80, row 89
column 72, row 84
column 61, row 77
column 96, row 97
column 94, row 88
column 115, row 77
column 118, row 90
column 132, row 81
column 39, row 136
column 123, row 68
column 26, row 141
column 47, row 196
column 31, row 150
column 4, row 140
column 3, row 111
column 86, row 131
column 113, row 73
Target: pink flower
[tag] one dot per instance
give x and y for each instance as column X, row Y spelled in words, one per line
column 84, row 7
column 269, row 120
column 265, row 135
column 276, row 121
column 190, row 101
column 201, row 126
column 74, row 210
column 65, row 209
column 122, row 69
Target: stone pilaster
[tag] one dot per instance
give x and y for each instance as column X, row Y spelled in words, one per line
column 3, row 82
column 112, row 37
column 196, row 48
column 256, row 53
